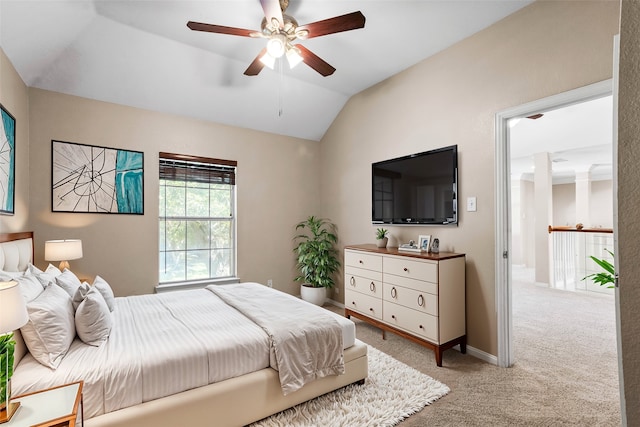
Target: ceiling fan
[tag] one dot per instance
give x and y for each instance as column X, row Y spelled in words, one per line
column 282, row 30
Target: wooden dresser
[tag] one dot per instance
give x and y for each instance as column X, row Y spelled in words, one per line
column 418, row 296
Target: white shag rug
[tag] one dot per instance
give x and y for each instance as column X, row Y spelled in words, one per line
column 392, row 392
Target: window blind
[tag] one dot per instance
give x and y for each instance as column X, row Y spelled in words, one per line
column 180, row 167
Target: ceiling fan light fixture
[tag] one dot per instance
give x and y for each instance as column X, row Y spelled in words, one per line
column 276, row 45
column 268, row 60
column 293, row 56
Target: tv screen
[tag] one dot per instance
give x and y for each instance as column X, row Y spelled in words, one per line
column 417, row 189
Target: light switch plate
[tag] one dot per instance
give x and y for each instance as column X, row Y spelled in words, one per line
column 471, row 204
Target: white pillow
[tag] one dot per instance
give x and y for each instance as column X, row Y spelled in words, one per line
column 106, row 291
column 93, row 318
column 8, row 275
column 81, row 292
column 51, row 326
column 45, row 277
column 68, row 281
column 30, row 287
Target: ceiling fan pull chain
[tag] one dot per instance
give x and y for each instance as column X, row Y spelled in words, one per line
column 280, row 87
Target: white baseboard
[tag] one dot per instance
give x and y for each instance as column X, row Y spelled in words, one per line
column 334, row 302
column 479, row 354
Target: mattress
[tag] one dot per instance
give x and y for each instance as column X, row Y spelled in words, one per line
column 160, row 345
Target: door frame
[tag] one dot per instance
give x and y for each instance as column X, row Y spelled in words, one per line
column 503, row 201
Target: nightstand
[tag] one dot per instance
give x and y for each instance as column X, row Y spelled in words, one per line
column 57, row 406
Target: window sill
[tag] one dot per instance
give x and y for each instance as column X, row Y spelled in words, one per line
column 195, row 284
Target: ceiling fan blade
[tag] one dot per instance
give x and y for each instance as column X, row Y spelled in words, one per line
column 220, row 29
column 256, row 66
column 350, row 21
column 272, row 10
column 314, row 61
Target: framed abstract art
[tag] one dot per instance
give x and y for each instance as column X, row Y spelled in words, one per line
column 7, row 162
column 93, row 179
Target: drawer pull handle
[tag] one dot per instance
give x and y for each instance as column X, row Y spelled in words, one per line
column 394, row 292
column 370, row 309
column 372, row 287
column 352, row 281
column 421, row 327
column 406, row 269
column 353, row 302
column 420, row 300
column 360, row 261
column 393, row 316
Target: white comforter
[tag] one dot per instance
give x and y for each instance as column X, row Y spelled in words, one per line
column 160, row 345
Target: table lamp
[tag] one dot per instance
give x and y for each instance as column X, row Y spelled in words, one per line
column 13, row 315
column 63, row 251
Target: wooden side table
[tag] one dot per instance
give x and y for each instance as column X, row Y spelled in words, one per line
column 57, row 406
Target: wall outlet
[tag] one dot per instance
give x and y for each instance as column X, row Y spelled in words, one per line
column 270, row 283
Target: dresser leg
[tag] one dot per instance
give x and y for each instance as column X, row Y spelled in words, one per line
column 438, row 352
column 384, row 335
column 463, row 345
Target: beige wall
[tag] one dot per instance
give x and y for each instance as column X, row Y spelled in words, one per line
column 628, row 202
column 277, row 186
column 452, row 98
column 14, row 96
column 600, row 202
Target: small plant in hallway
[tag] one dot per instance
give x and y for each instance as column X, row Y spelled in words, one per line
column 606, row 277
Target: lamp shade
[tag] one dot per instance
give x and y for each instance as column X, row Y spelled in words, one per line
column 62, row 250
column 13, row 311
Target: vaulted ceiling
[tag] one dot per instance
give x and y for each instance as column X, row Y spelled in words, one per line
column 140, row 53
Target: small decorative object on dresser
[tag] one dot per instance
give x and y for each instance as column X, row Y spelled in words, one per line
column 424, row 243
column 435, row 246
column 381, row 237
column 418, row 296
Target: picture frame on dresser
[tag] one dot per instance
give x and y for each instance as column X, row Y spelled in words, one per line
column 7, row 161
column 94, row 179
column 424, row 242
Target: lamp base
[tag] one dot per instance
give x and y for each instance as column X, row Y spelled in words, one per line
column 7, row 413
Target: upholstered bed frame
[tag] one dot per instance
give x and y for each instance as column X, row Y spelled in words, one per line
column 233, row 402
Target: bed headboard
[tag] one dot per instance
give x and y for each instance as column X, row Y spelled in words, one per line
column 16, row 252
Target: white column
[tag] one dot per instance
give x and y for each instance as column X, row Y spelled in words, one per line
column 583, row 197
column 543, row 191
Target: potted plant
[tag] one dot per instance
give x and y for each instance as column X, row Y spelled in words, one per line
column 317, row 258
column 606, row 277
column 381, row 238
column 7, row 346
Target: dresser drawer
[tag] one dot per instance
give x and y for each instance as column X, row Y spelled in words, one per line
column 410, row 298
column 365, row 285
column 420, row 324
column 362, row 260
column 405, row 267
column 406, row 282
column 365, row 304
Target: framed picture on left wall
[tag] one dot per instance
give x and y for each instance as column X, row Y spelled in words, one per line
column 7, row 162
column 93, row 179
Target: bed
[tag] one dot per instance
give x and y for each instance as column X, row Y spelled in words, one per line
column 189, row 357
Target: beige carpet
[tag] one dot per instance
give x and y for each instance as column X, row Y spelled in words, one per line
column 565, row 371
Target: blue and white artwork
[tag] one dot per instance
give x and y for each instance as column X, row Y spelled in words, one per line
column 88, row 178
column 7, row 161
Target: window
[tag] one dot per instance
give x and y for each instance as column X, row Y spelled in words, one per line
column 197, row 218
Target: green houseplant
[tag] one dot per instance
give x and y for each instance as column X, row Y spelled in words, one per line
column 316, row 257
column 381, row 237
column 606, row 277
column 7, row 345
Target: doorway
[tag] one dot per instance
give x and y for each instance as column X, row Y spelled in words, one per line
column 504, row 247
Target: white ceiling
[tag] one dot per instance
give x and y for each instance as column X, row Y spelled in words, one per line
column 578, row 138
column 140, row 53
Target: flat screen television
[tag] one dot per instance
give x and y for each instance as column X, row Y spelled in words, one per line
column 416, row 189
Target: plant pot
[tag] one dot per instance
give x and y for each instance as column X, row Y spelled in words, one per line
column 316, row 296
column 382, row 243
